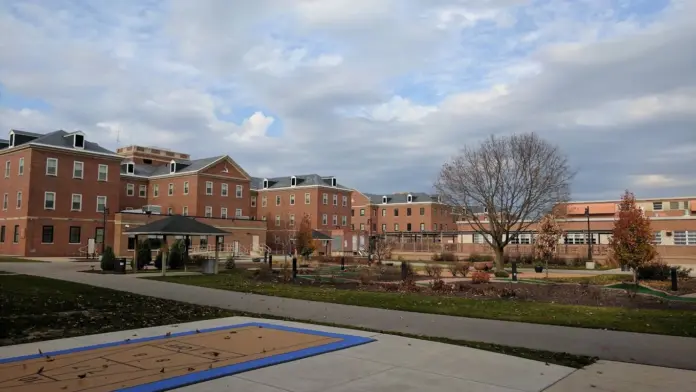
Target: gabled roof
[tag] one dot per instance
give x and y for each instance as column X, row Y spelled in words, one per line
column 192, row 166
column 25, row 133
column 176, row 225
column 58, row 139
column 318, row 235
column 394, row 198
column 302, row 180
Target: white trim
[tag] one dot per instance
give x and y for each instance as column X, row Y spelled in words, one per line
column 293, row 181
column 307, row 198
column 278, row 200
column 52, row 159
column 187, row 188
column 253, row 201
column 223, row 212
column 209, row 188
column 610, row 219
column 265, row 184
column 224, row 190
column 82, row 170
column 239, row 191
column 409, row 199
column 19, row 201
column 46, row 199
column 184, row 210
column 292, row 199
column 72, row 200
column 8, row 168
column 74, row 136
column 155, row 190
column 5, row 201
column 238, row 213
column 105, row 205
column 142, row 188
column 304, row 186
column 130, row 190
column 172, row 166
column 170, row 189
column 208, row 212
column 324, row 219
column 334, row 199
column 99, row 172
column 20, row 167
column 29, row 144
column 11, row 140
column 385, row 200
column 130, row 168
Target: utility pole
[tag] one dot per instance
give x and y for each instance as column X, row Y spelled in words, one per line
column 589, row 234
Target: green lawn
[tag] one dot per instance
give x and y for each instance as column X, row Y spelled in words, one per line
column 8, row 259
column 35, row 309
column 595, row 280
column 665, row 322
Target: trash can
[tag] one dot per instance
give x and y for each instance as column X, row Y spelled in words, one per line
column 208, row 266
column 120, row 266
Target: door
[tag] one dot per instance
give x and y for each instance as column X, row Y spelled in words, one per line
column 355, row 243
column 235, row 247
column 255, row 243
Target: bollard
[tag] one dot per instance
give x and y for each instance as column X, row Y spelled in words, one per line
column 270, row 262
column 514, row 271
column 294, row 267
column 265, row 257
column 343, row 263
column 404, row 270
column 673, row 273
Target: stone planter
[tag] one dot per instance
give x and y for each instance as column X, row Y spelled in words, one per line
column 538, row 269
column 590, row 265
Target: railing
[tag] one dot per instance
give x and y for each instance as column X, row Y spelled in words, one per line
column 84, row 252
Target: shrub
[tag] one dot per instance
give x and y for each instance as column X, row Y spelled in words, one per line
column 158, row 260
column 436, row 257
column 390, row 287
column 475, row 257
column 198, row 260
column 366, row 276
column 684, row 273
column 230, row 263
column 480, row 277
column 144, row 256
column 108, row 261
column 440, row 285
column 501, row 274
column 655, row 270
column 177, row 256
column 433, row 270
column 461, row 269
column 407, row 272
column 448, row 256
column 480, row 266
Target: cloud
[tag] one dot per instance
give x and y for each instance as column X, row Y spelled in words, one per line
column 378, row 93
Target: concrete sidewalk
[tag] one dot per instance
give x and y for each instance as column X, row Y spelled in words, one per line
column 658, row 350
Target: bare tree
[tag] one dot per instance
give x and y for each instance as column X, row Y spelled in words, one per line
column 383, row 248
column 514, row 179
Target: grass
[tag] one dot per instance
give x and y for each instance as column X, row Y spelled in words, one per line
column 647, row 290
column 664, row 322
column 8, row 259
column 594, row 280
column 32, row 307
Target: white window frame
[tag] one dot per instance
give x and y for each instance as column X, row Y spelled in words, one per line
column 223, row 212
column 238, row 213
column 5, row 201
column 170, row 189
column 8, row 168
column 105, row 205
column 362, row 227
column 72, row 202
column 344, row 202
column 130, row 190
column 291, row 221
column 657, row 238
column 184, row 211
column 224, row 190
column 344, row 220
column 186, row 188
column 19, row 200
column 396, row 227
column 685, row 237
column 209, row 188
column 20, row 169
column 253, row 201
column 334, row 220
column 208, row 211
column 155, row 190
column 277, row 220
column 324, row 219
column 48, row 166
column 170, row 211
column 657, row 206
column 278, row 200
column 325, row 199
column 521, row 239
column 142, row 191
column 46, row 200
column 105, row 172
column 335, row 199
column 82, row 170
column 264, row 201
column 307, row 198
column 422, row 227
column 384, row 227
column 292, row 199
column 239, row 191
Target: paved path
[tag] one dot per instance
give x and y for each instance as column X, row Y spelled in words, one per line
column 668, row 351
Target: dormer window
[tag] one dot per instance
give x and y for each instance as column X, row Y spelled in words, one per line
column 409, row 198
column 172, row 167
column 78, row 141
column 293, row 181
column 130, row 168
column 265, row 183
column 333, row 182
column 12, row 139
column 384, row 200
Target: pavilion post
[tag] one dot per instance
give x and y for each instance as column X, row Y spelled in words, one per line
column 186, row 252
column 134, row 265
column 217, row 253
column 165, row 255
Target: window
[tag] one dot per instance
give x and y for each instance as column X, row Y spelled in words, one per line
column 384, row 212
column 335, row 200
column 334, row 220
column 521, row 238
column 79, row 141
column 657, row 238
column 434, row 226
column 47, row 235
column 333, row 182
column 238, row 191
column 76, row 202
column 208, row 188
column 307, row 198
column 657, row 206
column 2, row 234
column 384, row 227
column 155, row 190
column 292, row 220
column 264, row 201
column 345, row 201
column 7, row 169
column 20, row 170
column 352, row 212
column 78, row 170
column 422, row 227
column 324, row 219
column 396, row 227
column 408, row 211
column 362, row 227
column 265, row 183
column 408, row 227
column 130, row 190
column 142, row 190
column 15, row 234
column 223, row 213
column 5, row 201
column 184, row 211
column 325, row 199
column 19, row 200
column 103, row 173
column 253, row 201
column 170, row 191
column 170, row 211
column 293, row 181
column 673, row 205
column 422, row 211
column 384, row 200
column 344, row 220
column 75, row 234
column 292, row 199
column 578, row 238
column 224, row 190
column 396, row 212
column 278, row 200
column 478, row 238
column 12, row 140
column 208, row 212
column 51, row 167
column 277, row 220
column 362, row 212
column 131, row 243
column 186, row 187
column 685, row 238
column 49, row 201
column 130, row 168
column 101, row 203
column 238, row 212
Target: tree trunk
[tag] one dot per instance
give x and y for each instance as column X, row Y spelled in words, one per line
column 635, row 276
column 499, row 259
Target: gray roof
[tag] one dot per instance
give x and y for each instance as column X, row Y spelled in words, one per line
column 417, row 197
column 58, row 139
column 183, row 166
column 302, row 180
column 176, row 225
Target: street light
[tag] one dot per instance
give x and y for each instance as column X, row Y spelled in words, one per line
column 589, row 235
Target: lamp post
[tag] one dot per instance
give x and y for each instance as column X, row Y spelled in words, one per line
column 589, row 234
column 105, row 214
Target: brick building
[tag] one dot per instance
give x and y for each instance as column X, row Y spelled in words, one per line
column 397, row 213
column 284, row 201
column 59, row 190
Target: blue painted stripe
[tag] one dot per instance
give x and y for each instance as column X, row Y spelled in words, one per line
column 210, row 374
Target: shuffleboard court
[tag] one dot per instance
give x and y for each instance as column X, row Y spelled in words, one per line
column 166, row 362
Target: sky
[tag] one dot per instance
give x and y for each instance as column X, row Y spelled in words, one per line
column 379, row 93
